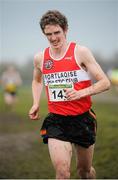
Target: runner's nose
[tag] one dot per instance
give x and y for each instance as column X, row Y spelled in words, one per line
column 53, row 37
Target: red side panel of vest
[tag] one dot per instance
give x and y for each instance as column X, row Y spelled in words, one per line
column 67, row 63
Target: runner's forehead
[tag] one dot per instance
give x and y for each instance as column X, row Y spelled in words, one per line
column 52, row 28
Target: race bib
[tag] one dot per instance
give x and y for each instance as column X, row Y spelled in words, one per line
column 56, row 91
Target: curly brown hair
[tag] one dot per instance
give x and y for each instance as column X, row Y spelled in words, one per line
column 53, row 17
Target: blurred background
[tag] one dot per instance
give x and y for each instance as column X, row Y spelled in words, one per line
column 91, row 23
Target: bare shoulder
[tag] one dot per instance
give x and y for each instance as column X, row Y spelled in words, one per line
column 83, row 51
column 84, row 55
column 38, row 60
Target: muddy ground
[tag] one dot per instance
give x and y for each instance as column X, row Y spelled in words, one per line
column 16, row 146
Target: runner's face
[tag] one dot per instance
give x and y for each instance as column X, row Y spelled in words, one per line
column 55, row 35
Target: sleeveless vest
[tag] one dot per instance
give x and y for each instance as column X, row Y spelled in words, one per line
column 62, row 74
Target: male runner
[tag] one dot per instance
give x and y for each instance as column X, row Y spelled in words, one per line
column 66, row 68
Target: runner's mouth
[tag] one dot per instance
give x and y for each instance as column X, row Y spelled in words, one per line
column 55, row 43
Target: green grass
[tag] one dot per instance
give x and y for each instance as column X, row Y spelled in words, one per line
column 23, row 155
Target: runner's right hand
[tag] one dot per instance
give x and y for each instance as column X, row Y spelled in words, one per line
column 34, row 112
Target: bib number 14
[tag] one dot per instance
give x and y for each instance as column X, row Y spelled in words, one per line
column 56, row 92
column 58, row 95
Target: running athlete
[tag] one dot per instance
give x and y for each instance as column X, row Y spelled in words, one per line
column 66, row 68
column 10, row 81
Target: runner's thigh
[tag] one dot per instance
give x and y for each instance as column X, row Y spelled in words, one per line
column 84, row 156
column 60, row 152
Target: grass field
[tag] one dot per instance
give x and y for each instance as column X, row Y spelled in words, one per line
column 24, row 156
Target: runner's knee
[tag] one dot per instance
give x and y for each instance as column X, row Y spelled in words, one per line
column 62, row 171
column 83, row 172
column 88, row 173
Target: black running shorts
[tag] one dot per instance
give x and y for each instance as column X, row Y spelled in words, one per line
column 79, row 129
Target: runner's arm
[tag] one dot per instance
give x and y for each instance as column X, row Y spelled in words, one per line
column 37, row 85
column 85, row 58
column 102, row 82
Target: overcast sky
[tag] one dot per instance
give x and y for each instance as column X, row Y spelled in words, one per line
column 92, row 23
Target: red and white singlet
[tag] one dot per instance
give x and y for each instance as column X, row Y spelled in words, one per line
column 61, row 74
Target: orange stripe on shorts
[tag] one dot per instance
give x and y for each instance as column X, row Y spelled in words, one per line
column 43, row 132
column 92, row 114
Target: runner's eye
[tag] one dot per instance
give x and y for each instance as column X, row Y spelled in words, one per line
column 57, row 32
column 48, row 34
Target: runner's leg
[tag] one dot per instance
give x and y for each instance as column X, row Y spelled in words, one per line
column 84, row 162
column 60, row 153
